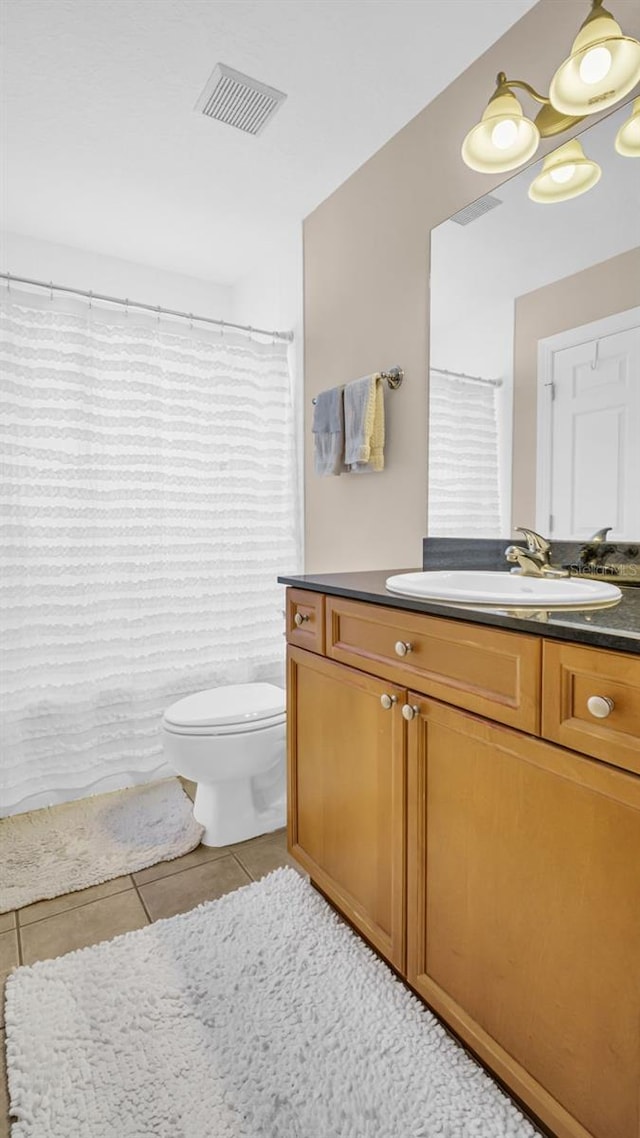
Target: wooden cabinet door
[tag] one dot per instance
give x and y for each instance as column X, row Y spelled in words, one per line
column 524, row 914
column 346, row 823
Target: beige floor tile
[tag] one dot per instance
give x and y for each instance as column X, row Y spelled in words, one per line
column 4, row 1094
column 279, row 837
column 263, row 857
column 8, row 959
column 183, row 891
column 7, row 921
column 51, row 908
column 187, row 861
column 77, row 928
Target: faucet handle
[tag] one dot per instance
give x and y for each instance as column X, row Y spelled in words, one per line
column 599, row 536
column 596, row 548
column 535, row 543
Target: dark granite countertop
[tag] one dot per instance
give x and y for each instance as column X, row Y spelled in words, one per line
column 616, row 628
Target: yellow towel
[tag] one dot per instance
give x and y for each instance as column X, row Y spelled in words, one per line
column 364, row 424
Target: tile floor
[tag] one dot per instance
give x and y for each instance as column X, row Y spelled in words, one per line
column 75, row 920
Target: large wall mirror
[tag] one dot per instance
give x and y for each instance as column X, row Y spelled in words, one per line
column 534, row 408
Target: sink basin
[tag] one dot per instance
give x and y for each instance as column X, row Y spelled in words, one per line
column 504, row 590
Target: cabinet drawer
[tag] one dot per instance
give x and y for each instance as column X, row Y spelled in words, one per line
column 305, row 620
column 571, row 677
column 492, row 673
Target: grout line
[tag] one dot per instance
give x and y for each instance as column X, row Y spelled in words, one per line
column 185, row 868
column 142, row 901
column 72, row 908
column 243, row 868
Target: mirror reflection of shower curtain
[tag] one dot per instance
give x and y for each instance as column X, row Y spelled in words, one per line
column 148, row 502
column 464, row 482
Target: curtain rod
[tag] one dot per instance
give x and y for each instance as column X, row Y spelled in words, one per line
column 157, row 309
column 472, row 378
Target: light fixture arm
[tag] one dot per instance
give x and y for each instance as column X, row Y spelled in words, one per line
column 549, row 121
column 502, row 84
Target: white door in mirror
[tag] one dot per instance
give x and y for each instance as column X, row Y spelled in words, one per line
column 592, row 455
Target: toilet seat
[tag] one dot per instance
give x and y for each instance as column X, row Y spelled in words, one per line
column 227, row 710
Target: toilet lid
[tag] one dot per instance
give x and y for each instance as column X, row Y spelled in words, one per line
column 237, row 703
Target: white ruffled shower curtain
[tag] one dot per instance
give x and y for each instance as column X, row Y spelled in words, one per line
column 464, row 477
column 148, row 505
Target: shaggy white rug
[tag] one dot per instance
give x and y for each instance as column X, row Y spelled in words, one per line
column 259, row 1015
column 64, row 848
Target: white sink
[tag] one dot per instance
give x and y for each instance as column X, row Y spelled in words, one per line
column 504, row 590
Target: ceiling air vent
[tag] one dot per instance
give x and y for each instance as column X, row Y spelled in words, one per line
column 476, row 209
column 237, row 100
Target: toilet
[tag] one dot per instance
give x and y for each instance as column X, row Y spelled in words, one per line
column 231, row 742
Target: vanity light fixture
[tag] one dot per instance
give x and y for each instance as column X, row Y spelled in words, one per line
column 603, row 67
column 566, row 173
column 628, row 137
column 504, row 138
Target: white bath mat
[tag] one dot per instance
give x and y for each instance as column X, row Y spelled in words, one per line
column 64, row 848
column 256, row 1016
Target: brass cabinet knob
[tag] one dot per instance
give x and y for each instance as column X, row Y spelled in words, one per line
column 402, row 647
column 300, row 618
column 409, row 712
column 388, row 701
column 600, row 706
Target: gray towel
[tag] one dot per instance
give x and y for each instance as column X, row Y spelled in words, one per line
column 328, row 432
column 364, row 425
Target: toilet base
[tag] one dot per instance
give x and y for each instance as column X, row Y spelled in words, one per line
column 228, row 813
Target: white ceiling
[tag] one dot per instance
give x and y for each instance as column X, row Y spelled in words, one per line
column 104, row 151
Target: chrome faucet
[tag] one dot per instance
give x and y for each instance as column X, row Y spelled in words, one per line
column 534, row 561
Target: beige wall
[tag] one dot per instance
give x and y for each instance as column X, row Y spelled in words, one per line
column 602, row 290
column 366, row 253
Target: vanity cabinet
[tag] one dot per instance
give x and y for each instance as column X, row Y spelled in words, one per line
column 523, row 913
column 497, row 871
column 346, row 793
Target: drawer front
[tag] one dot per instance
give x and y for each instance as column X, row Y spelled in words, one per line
column 572, row 676
column 483, row 670
column 305, row 620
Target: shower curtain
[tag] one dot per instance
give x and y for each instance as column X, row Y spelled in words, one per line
column 148, row 504
column 464, row 478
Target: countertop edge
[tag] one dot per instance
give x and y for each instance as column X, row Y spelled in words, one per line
column 591, row 637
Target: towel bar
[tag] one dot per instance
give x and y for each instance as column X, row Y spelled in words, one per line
column 394, row 377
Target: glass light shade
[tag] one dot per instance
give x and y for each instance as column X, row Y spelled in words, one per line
column 628, row 137
column 566, row 173
column 603, row 67
column 503, row 139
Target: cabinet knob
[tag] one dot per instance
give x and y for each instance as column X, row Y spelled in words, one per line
column 388, row 701
column 409, row 712
column 600, row 706
column 402, row 647
column 300, row 618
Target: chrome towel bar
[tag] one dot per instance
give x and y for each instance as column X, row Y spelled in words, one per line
column 394, row 377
